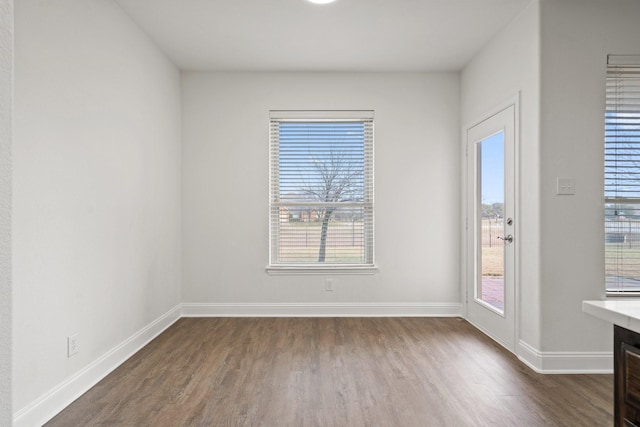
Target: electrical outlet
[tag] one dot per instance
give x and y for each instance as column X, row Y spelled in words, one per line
column 328, row 285
column 72, row 345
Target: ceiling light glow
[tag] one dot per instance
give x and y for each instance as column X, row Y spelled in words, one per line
column 322, row 1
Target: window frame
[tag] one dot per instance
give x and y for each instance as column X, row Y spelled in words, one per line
column 619, row 68
column 283, row 268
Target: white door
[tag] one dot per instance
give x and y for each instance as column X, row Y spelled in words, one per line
column 491, row 224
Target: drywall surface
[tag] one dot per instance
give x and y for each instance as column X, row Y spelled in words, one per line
column 576, row 36
column 96, row 205
column 6, row 105
column 225, row 185
column 507, row 68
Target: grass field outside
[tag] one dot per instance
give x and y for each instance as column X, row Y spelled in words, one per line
column 622, row 263
column 300, row 242
column 492, row 262
column 622, row 253
column 492, row 258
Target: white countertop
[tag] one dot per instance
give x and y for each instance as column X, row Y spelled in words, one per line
column 621, row 312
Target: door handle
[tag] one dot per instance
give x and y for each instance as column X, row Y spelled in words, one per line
column 508, row 239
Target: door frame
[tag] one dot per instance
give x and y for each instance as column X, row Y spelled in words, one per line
column 467, row 250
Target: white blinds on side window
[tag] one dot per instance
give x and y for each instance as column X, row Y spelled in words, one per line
column 622, row 174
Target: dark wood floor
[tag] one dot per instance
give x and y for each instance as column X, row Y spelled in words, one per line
column 335, row 372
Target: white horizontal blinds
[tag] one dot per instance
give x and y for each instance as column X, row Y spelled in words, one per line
column 321, row 189
column 622, row 173
column 274, row 191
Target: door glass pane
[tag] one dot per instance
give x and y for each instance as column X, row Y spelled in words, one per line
column 491, row 200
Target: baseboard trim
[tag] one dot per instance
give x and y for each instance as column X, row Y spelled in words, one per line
column 55, row 400
column 565, row 362
column 322, row 310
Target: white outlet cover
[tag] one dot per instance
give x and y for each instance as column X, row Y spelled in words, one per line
column 72, row 345
column 566, row 186
column 328, row 285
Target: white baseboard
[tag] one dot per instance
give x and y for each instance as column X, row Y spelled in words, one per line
column 565, row 362
column 55, row 400
column 323, row 310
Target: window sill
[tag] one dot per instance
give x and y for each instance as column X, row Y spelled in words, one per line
column 622, row 294
column 304, row 270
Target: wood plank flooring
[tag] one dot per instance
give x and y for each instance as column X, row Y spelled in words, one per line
column 335, row 372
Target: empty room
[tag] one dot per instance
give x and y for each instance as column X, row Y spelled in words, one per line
column 319, row 213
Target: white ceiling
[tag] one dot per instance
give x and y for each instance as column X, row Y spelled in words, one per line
column 348, row 35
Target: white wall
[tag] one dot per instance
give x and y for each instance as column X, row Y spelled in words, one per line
column 225, row 186
column 96, row 160
column 6, row 101
column 509, row 66
column 554, row 53
column 97, row 182
column 576, row 37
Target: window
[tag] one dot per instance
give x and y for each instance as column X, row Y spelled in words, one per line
column 622, row 174
column 321, row 195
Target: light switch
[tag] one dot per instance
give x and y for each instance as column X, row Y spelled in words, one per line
column 566, row 186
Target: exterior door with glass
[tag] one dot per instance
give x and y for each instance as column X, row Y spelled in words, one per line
column 490, row 221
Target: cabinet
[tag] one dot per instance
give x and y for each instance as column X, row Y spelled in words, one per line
column 626, row 354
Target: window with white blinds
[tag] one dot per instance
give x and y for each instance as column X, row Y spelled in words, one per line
column 321, row 195
column 622, row 174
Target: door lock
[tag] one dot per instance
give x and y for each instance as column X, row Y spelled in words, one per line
column 509, row 238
